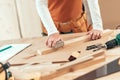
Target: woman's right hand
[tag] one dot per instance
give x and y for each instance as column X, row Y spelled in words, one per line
column 52, row 39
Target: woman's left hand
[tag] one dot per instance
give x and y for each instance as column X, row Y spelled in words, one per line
column 95, row 34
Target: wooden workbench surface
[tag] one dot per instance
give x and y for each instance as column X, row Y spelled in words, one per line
column 38, row 44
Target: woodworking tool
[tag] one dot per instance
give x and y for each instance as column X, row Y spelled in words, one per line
column 108, row 45
column 58, row 44
column 93, row 46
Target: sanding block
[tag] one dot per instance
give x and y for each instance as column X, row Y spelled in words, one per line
column 59, row 44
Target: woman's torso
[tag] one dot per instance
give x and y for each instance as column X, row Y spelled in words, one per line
column 65, row 10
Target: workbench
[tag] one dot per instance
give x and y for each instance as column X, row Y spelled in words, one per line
column 114, row 76
column 26, row 58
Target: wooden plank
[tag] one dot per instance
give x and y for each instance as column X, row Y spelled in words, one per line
column 29, row 20
column 46, row 68
column 60, row 54
column 33, row 70
column 9, row 28
column 81, row 40
column 79, row 73
column 80, row 63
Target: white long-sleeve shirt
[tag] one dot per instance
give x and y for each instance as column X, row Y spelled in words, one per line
column 43, row 12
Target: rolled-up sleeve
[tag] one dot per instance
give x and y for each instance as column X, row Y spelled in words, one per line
column 95, row 14
column 44, row 14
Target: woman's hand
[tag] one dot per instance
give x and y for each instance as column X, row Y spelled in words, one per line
column 52, row 39
column 95, row 34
